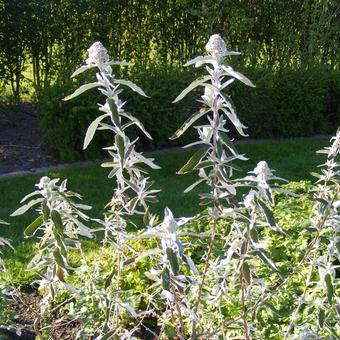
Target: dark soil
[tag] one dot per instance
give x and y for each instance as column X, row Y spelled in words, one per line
column 27, row 310
column 21, row 146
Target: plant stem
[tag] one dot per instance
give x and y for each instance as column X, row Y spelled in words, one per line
column 200, row 288
column 301, row 301
column 180, row 321
column 244, row 308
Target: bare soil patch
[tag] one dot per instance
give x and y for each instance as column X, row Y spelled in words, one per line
column 21, row 146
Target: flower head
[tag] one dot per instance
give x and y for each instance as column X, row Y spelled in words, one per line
column 97, row 55
column 216, row 46
column 262, row 170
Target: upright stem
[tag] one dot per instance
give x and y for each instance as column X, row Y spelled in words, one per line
column 243, row 288
column 201, row 285
column 244, row 308
column 301, row 301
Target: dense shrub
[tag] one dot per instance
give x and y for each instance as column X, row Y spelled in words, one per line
column 289, row 103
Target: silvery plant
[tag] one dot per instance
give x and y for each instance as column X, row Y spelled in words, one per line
column 214, row 162
column 59, row 227
column 132, row 195
column 317, row 309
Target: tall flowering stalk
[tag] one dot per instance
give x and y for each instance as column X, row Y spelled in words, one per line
column 126, row 161
column 322, row 256
column 132, row 192
column 214, row 162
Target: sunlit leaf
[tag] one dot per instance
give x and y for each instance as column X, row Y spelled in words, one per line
column 82, row 89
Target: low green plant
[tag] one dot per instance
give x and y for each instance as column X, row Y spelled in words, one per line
column 241, row 269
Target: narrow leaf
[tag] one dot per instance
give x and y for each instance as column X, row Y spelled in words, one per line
column 92, row 129
column 114, row 113
column 321, row 318
column 119, row 140
column 193, row 85
column 45, row 211
column 172, row 257
column 82, row 89
column 109, row 280
column 188, row 123
column 330, row 289
column 230, row 72
column 81, row 69
column 166, row 279
column 26, row 207
column 136, row 122
column 193, row 161
column 31, row 229
column 57, row 221
column 58, row 258
column 246, row 272
column 131, row 85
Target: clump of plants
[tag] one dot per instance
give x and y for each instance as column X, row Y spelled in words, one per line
column 210, row 276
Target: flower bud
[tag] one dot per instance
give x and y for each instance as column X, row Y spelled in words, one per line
column 97, row 55
column 216, row 46
column 262, row 169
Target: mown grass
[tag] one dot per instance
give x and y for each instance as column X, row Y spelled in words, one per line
column 293, row 160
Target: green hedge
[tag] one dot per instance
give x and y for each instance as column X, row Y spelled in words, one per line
column 287, row 103
column 290, row 103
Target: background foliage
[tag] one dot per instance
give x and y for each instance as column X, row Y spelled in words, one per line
column 290, row 49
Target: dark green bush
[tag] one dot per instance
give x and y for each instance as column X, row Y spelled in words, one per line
column 287, row 103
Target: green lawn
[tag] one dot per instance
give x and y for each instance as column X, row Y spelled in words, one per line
column 293, row 160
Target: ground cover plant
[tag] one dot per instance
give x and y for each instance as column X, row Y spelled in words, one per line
column 259, row 261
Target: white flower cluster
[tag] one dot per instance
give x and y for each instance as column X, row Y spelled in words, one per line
column 262, row 171
column 46, row 186
column 97, row 55
column 216, row 45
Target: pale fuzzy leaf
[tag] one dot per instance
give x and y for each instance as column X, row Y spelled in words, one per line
column 136, row 122
column 37, row 192
column 5, row 242
column 26, row 207
column 267, row 260
column 193, row 85
column 70, row 288
column 227, row 83
column 83, row 229
column 192, row 186
column 92, row 129
column 81, row 69
column 82, row 89
column 199, row 59
column 170, row 297
column 191, row 264
column 82, row 206
column 236, row 122
column 149, row 162
column 188, row 123
column 129, row 309
column 232, row 73
column 132, row 86
column 190, row 312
